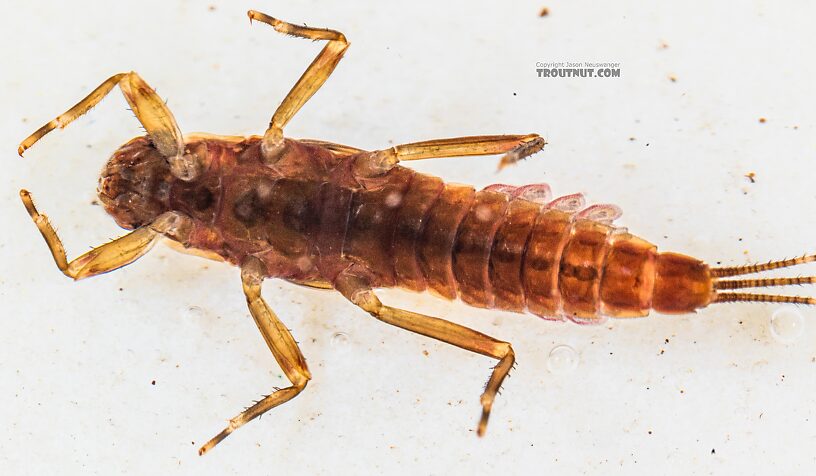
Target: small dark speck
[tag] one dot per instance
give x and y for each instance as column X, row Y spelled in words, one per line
column 121, row 289
column 712, row 451
column 647, row 144
column 514, row 94
column 650, row 432
column 719, row 263
column 192, row 443
column 211, row 8
column 739, row 239
column 24, row 119
column 631, row 138
column 544, row 12
column 667, row 340
column 153, row 382
column 88, row 146
column 95, row 202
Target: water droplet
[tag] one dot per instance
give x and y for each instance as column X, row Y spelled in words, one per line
column 484, row 213
column 193, row 312
column 787, row 324
column 393, row 199
column 304, row 263
column 562, row 360
column 339, row 340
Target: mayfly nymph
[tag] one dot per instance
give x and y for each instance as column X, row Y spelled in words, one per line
column 332, row 216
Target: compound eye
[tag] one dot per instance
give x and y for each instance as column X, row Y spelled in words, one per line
column 132, row 210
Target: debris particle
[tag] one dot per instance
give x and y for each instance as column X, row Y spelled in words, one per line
column 663, row 45
column 153, row 382
column 211, row 8
column 712, row 451
column 425, row 353
column 544, row 12
column 632, row 138
column 751, row 176
column 762, row 120
column 673, row 78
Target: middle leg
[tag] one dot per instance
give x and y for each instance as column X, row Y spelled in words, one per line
column 280, row 342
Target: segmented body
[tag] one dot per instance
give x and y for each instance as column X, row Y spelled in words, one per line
column 309, row 217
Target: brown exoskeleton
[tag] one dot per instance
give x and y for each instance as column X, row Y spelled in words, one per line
column 333, row 216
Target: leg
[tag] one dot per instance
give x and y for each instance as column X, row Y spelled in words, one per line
column 280, row 342
column 119, row 252
column 357, row 290
column 149, row 109
column 308, row 84
column 515, row 148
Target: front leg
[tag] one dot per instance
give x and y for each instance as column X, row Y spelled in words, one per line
column 110, row 256
column 312, row 79
column 149, row 109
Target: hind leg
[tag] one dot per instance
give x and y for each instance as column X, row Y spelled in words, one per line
column 357, row 290
column 514, row 148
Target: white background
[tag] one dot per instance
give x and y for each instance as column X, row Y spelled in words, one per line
column 698, row 394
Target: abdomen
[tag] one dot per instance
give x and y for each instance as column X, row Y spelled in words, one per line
column 495, row 251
